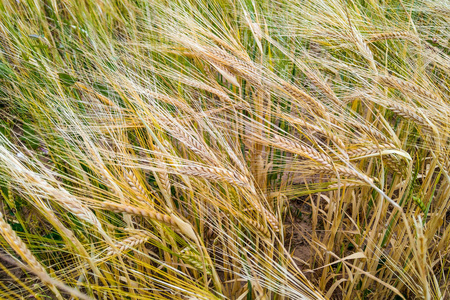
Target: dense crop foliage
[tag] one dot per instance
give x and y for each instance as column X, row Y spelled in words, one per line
column 224, row 149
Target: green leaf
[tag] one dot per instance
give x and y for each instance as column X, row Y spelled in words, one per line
column 67, row 79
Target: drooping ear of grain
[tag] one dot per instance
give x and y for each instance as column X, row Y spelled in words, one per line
column 132, row 210
column 127, row 243
column 22, row 250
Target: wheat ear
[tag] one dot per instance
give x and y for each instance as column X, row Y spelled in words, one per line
column 68, row 201
column 351, row 173
column 318, row 129
column 325, row 161
column 345, row 171
column 403, row 85
column 394, row 165
column 133, row 210
column 61, row 196
column 230, row 77
column 407, row 113
column 392, row 35
column 421, row 251
column 216, row 174
column 298, row 94
column 164, row 179
column 173, row 220
column 189, row 141
column 19, row 246
column 304, row 151
column 193, row 258
column 200, row 85
column 373, row 132
column 364, row 48
column 128, row 243
column 376, row 150
column 97, row 95
column 271, row 219
column 257, row 225
column 242, row 55
column 320, row 84
column 167, row 99
column 370, row 150
column 347, row 185
column 136, row 186
column 245, row 68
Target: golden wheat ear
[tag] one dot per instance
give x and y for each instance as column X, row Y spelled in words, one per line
column 22, row 250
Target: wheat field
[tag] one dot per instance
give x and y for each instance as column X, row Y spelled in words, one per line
column 224, row 149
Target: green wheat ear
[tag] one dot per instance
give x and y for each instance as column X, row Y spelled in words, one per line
column 419, row 203
column 193, row 258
